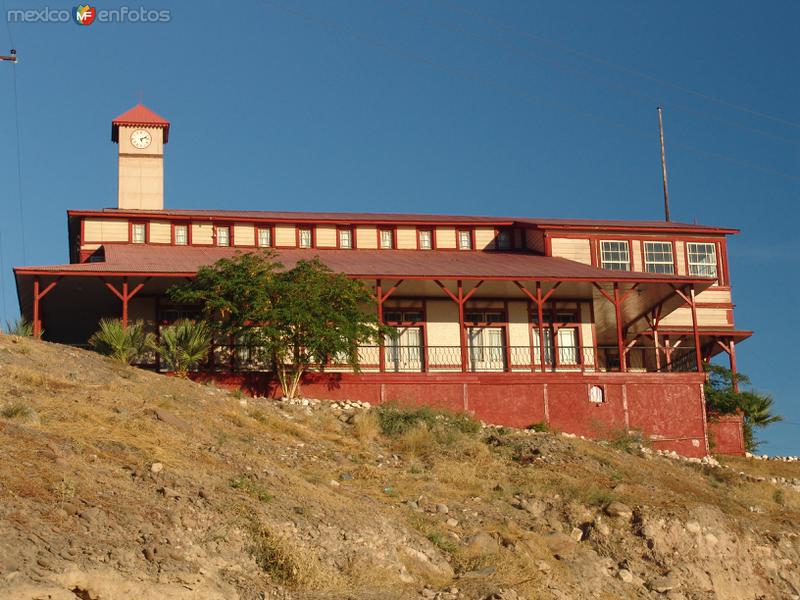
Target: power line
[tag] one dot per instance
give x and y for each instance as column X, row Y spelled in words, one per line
column 471, row 76
column 626, row 69
column 560, row 66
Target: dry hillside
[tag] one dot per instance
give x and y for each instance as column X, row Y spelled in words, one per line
column 117, row 483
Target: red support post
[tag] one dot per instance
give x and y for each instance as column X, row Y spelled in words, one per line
column 540, row 317
column 38, row 294
column 462, row 327
column 696, row 331
column 732, row 356
column 623, row 363
column 125, row 295
column 381, row 347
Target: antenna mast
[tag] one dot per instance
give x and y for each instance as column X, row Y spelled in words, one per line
column 663, row 164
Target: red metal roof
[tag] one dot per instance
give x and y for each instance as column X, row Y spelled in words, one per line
column 176, row 260
column 139, row 115
column 410, row 218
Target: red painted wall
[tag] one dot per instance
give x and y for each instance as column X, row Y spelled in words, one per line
column 727, row 434
column 667, row 408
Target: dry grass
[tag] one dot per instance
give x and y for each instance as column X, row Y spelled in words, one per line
column 366, row 427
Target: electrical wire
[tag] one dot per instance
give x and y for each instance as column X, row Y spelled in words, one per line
column 623, row 68
column 471, row 76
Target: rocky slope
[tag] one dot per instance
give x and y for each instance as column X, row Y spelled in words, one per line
column 118, row 483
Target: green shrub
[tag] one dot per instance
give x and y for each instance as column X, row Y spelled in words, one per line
column 539, row 426
column 125, row 344
column 20, row 328
column 184, row 345
column 395, row 420
column 18, row 410
column 251, row 487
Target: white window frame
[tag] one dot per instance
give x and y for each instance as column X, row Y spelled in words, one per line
column 139, row 227
column 264, row 237
column 667, row 264
column 347, row 234
column 464, row 239
column 611, row 262
column 700, row 268
column 389, row 233
column 426, row 239
column 181, row 240
column 226, row 238
column 305, row 233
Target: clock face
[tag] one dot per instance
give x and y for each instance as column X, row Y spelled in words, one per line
column 141, row 139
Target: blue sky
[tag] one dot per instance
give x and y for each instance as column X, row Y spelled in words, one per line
column 513, row 108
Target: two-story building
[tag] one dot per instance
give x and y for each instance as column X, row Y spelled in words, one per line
column 592, row 327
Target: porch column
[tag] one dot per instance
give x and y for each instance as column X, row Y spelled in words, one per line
column 623, row 362
column 381, row 347
column 732, row 357
column 539, row 299
column 696, row 332
column 125, row 295
column 461, row 327
column 38, row 294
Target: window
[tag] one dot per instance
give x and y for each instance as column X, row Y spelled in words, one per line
column 486, row 348
column 425, row 239
column 504, row 239
column 702, row 259
column 223, row 236
column 387, row 239
column 345, row 238
column 403, row 316
column 181, row 235
column 264, row 237
column 465, row 239
column 484, row 316
column 305, row 238
column 139, row 233
column 658, row 257
column 615, row 255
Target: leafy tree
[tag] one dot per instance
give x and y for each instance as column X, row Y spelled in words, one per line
column 756, row 407
column 234, row 293
column 184, row 344
column 126, row 344
column 298, row 318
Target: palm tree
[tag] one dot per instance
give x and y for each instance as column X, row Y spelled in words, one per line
column 124, row 343
column 184, row 344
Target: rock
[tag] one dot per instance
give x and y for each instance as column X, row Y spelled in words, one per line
column 168, row 492
column 485, row 572
column 149, row 554
column 576, row 534
column 663, row 585
column 156, row 467
column 693, row 527
column 442, row 508
column 345, row 476
column 618, row 509
column 451, row 522
column 543, row 566
column 482, row 543
column 560, row 545
column 172, row 419
column 625, row 575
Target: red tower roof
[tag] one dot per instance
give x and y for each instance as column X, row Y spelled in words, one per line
column 139, row 115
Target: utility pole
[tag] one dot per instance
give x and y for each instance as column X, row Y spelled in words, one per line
column 11, row 57
column 663, row 164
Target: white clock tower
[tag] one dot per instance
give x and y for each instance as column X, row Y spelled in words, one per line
column 141, row 135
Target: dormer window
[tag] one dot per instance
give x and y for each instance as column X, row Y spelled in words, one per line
column 504, row 239
column 223, row 236
column 345, row 238
column 304, row 238
column 139, row 233
column 464, row 239
column 615, row 255
column 702, row 259
column 264, row 237
column 386, row 239
column 181, row 235
column 425, row 239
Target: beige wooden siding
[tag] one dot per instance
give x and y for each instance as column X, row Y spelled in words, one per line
column 636, row 249
column 366, row 237
column 406, row 237
column 706, row 317
column 326, row 236
column 534, row 240
column 519, row 338
column 714, row 295
column 160, row 232
column 202, row 233
column 587, row 338
column 442, row 325
column 105, row 230
column 573, row 249
column 484, row 238
column 446, row 237
column 244, row 234
column 285, row 236
column 680, row 249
